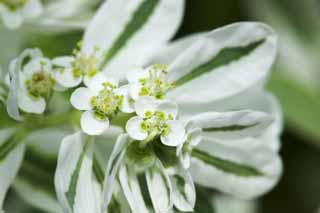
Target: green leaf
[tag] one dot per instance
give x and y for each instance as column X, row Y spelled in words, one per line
column 140, row 17
column 226, row 165
column 301, row 107
column 224, row 57
column 71, row 193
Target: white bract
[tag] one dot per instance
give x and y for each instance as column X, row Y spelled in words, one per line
column 13, row 12
column 36, row 82
column 156, row 119
column 101, row 101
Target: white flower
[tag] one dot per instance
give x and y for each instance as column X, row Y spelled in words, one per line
column 101, row 100
column 149, row 82
column 72, row 70
column 156, row 119
column 36, row 83
column 13, row 12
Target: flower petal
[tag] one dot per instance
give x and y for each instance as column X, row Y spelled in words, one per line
column 135, row 89
column 96, row 82
column 229, row 61
column 168, row 107
column 134, row 130
column 176, row 135
column 121, row 27
column 66, row 78
column 80, row 98
column 30, row 105
column 91, row 125
column 63, row 61
column 127, row 103
column 145, row 104
column 136, row 74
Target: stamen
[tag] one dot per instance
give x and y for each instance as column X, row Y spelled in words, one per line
column 41, row 84
column 106, row 103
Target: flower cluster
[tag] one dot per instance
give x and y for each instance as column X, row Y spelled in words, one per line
column 193, row 111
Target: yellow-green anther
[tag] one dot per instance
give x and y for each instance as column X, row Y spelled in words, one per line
column 154, row 123
column 106, row 103
column 155, row 84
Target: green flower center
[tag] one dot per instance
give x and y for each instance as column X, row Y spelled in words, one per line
column 14, row 4
column 155, row 124
column 84, row 65
column 106, row 103
column 155, row 84
column 40, row 84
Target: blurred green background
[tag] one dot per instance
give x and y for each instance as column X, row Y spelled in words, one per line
column 295, row 81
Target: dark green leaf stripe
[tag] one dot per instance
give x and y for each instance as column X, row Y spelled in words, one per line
column 139, row 18
column 114, row 206
column 98, row 171
column 180, row 184
column 226, row 165
column 9, row 145
column 229, row 128
column 71, row 193
column 224, row 57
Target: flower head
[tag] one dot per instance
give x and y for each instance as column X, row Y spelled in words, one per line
column 156, row 119
column 101, row 101
column 72, row 70
column 36, row 84
column 151, row 82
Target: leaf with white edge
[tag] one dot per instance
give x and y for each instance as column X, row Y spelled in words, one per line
column 160, row 188
column 76, row 186
column 131, row 188
column 233, row 124
column 245, row 168
column 113, row 166
column 229, row 61
column 183, row 189
column 120, row 28
column 9, row 163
